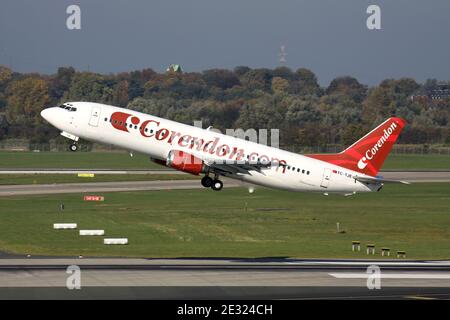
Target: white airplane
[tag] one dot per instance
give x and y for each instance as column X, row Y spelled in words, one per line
column 199, row 151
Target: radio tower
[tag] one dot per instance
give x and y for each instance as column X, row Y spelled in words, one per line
column 282, row 55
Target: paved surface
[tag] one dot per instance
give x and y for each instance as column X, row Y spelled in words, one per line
column 94, row 171
column 418, row 176
column 411, row 176
column 223, row 278
column 36, row 189
column 9, row 190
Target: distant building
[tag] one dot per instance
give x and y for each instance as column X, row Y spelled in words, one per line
column 174, row 68
column 440, row 92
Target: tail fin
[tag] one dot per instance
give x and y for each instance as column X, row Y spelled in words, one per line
column 367, row 155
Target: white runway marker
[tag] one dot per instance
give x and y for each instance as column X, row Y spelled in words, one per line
column 92, row 232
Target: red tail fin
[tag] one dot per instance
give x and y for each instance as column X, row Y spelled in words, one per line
column 367, row 155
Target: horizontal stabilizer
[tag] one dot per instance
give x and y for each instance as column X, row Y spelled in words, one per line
column 378, row 180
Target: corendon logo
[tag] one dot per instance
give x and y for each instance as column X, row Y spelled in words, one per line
column 151, row 128
column 370, row 154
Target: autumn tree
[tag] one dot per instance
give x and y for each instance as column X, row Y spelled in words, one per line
column 60, row 84
column 5, row 77
column 26, row 99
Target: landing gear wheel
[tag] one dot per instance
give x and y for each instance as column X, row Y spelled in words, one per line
column 73, row 147
column 207, row 181
column 217, row 185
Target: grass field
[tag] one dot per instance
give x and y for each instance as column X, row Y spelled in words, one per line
column 17, row 179
column 122, row 160
column 233, row 223
column 417, row 162
column 79, row 160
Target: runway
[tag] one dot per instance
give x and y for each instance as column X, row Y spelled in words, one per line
column 223, row 279
column 411, row 176
column 94, row 171
column 37, row 189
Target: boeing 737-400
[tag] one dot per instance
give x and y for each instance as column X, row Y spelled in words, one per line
column 205, row 152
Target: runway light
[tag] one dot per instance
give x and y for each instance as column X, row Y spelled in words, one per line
column 251, row 189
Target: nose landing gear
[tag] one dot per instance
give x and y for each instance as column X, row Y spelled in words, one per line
column 73, row 147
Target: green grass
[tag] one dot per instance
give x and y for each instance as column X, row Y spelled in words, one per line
column 81, row 160
column 17, row 179
column 233, row 223
column 122, row 160
column 417, row 162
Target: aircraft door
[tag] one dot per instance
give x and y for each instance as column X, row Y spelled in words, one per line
column 95, row 116
column 326, row 178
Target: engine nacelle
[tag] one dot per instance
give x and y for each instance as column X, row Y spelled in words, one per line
column 186, row 162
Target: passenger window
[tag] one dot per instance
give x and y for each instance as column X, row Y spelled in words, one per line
column 307, row 172
column 303, row 171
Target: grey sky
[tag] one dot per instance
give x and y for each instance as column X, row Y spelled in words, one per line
column 328, row 36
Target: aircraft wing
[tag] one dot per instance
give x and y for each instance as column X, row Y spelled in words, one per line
column 238, row 166
column 376, row 180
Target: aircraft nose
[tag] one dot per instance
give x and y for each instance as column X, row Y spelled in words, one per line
column 44, row 113
column 47, row 114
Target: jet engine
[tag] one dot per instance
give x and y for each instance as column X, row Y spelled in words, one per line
column 186, row 162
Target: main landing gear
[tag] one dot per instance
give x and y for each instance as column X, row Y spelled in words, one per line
column 214, row 184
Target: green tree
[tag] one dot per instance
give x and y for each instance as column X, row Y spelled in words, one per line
column 88, row 86
column 61, row 83
column 280, row 85
column 257, row 79
column 120, row 95
column 220, row 78
column 352, row 133
column 349, row 87
column 305, row 83
column 26, row 99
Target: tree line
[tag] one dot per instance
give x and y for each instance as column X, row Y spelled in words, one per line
column 290, row 100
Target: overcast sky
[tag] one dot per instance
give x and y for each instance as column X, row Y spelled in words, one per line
column 329, row 37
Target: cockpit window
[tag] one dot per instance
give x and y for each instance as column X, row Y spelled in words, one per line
column 67, row 107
